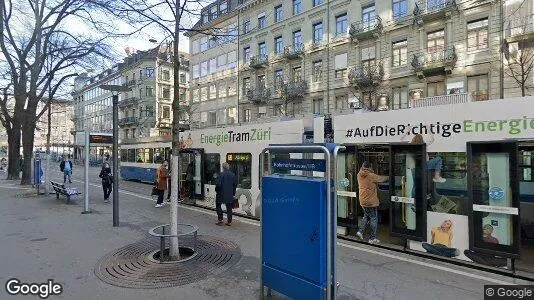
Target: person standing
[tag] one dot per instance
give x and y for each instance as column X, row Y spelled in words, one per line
column 190, row 179
column 107, row 180
column 162, row 177
column 225, row 192
column 66, row 168
column 368, row 195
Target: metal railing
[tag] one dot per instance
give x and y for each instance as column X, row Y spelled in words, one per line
column 258, row 61
column 260, row 94
column 366, row 75
column 439, row 58
column 433, row 6
column 369, row 26
column 127, row 121
column 128, row 102
column 441, row 100
column 295, row 88
column 293, row 52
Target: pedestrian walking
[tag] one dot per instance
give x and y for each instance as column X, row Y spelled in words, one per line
column 107, row 180
column 190, row 178
column 225, row 193
column 368, row 195
column 161, row 183
column 66, row 167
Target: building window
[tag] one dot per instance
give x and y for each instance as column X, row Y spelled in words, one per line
column 262, row 50
column 221, row 62
column 400, row 97
column 232, row 59
column 368, row 101
column 196, row 72
column 231, row 115
column 261, row 21
column 297, row 7
column 368, row 17
column 213, row 65
column 317, row 70
column 340, row 65
column 204, row 93
column 212, row 118
column 297, row 40
column 166, row 75
column 182, row 78
column 246, row 115
column 278, row 78
column 204, row 44
column 400, row 9
column 195, row 47
column 166, row 93
column 341, row 102
column 435, row 89
column 341, row 25
column 477, row 35
column 246, row 26
column 318, row 106
column 166, row 114
column 297, row 74
column 317, row 2
column 213, row 91
column 435, row 4
column 477, row 86
column 214, row 12
column 223, row 7
column 400, row 53
column 278, row 14
column 126, row 133
column 318, row 32
column 278, row 45
column 203, row 68
column 435, row 42
column 149, row 91
column 246, row 54
column 246, row 85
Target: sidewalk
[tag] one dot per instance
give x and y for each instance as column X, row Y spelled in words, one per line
column 45, row 238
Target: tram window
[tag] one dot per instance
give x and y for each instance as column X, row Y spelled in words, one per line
column 139, row 155
column 241, row 166
column 450, row 196
column 158, row 158
column 131, row 155
column 149, row 154
column 526, row 165
column 167, row 155
column 212, row 167
column 124, row 155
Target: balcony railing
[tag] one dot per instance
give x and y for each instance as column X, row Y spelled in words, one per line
column 128, row 102
column 365, row 29
column 520, row 29
column 260, row 61
column 127, row 121
column 365, row 76
column 129, row 83
column 427, row 10
column 293, row 52
column 259, row 95
column 437, row 62
column 295, row 89
column 441, row 100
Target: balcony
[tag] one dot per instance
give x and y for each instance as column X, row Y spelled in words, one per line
column 294, row 90
column 129, row 102
column 366, row 29
column 259, row 95
column 366, row 76
column 429, row 10
column 441, row 100
column 129, row 83
column 440, row 62
column 293, row 52
column 128, row 121
column 520, row 29
column 258, row 62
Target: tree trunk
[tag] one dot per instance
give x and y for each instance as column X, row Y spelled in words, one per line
column 28, row 133
column 13, row 140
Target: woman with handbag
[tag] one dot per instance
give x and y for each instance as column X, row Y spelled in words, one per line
column 225, row 193
column 162, row 176
column 107, row 180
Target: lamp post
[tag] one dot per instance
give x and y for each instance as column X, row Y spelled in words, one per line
column 115, row 89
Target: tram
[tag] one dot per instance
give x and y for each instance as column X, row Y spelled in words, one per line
column 484, row 210
column 204, row 150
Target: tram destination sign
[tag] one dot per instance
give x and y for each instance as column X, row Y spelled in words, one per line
column 100, row 139
column 317, row 165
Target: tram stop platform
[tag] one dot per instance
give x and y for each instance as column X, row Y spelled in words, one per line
column 46, row 238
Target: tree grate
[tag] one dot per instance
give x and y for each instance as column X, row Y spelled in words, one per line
column 133, row 267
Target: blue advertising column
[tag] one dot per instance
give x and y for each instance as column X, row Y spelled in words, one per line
column 298, row 226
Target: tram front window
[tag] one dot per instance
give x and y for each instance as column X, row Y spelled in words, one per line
column 212, row 167
column 241, row 166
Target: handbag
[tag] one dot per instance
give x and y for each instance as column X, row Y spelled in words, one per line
column 155, row 189
column 235, row 204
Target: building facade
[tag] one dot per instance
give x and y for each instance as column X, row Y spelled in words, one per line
column 320, row 57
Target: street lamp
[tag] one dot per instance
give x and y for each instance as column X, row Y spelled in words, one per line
column 115, row 89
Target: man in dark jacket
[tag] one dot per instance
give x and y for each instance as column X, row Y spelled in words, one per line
column 225, row 190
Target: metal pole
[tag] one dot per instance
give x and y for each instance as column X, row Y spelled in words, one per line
column 86, row 175
column 115, row 161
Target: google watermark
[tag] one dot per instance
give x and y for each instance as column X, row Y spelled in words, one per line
column 503, row 292
column 43, row 290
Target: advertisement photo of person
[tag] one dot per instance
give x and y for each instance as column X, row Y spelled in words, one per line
column 441, row 241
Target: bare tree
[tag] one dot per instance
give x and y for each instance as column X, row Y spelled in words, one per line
column 41, row 54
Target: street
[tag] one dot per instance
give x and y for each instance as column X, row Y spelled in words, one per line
column 44, row 238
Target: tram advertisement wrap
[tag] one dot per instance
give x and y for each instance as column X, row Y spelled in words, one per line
column 448, row 236
column 495, row 119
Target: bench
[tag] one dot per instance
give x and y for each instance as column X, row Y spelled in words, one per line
column 60, row 189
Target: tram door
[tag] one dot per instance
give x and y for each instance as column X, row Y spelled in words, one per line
column 192, row 173
column 407, row 185
column 493, row 187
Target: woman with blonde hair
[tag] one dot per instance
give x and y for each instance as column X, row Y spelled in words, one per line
column 441, row 241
